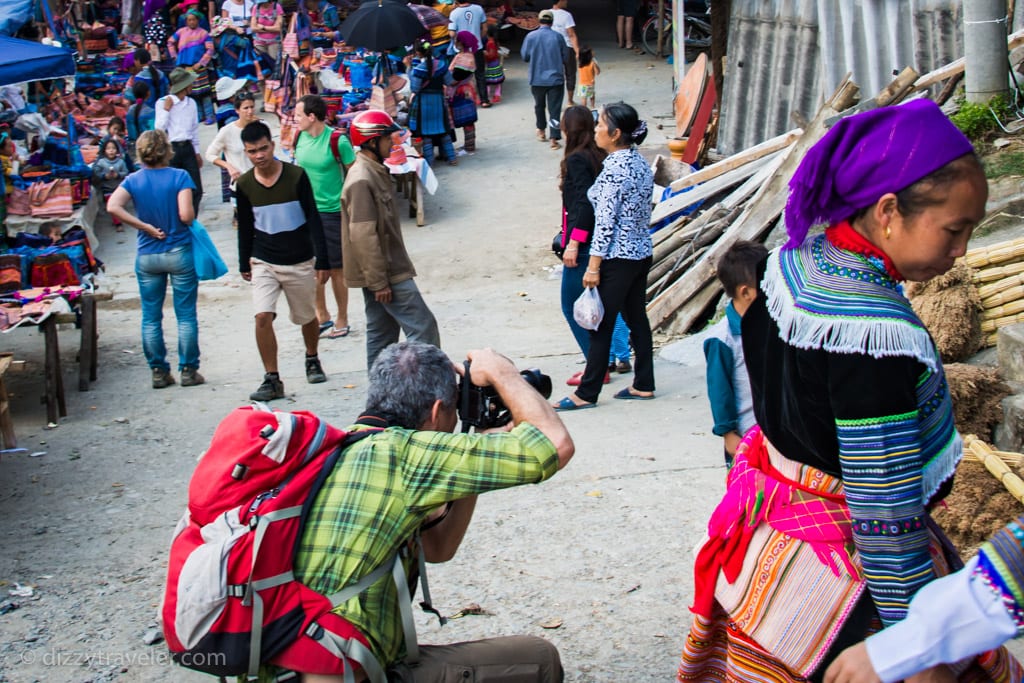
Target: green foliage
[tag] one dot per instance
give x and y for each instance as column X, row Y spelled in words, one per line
column 976, row 121
column 1004, row 163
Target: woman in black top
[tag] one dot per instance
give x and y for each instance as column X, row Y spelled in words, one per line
column 580, row 166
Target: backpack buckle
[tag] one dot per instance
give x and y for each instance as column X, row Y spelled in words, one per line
column 315, row 631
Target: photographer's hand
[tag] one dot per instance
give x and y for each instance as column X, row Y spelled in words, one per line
column 490, row 368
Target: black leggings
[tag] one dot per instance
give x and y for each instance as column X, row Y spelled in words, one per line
column 623, row 289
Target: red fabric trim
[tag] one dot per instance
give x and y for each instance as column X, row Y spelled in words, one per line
column 844, row 236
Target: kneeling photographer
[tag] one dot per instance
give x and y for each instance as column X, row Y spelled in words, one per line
column 412, row 475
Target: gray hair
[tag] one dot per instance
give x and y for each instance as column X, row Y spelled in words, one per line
column 405, row 381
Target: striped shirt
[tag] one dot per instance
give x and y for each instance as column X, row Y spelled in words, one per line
column 382, row 490
column 279, row 224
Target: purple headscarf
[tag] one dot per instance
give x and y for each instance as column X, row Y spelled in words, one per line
column 467, row 40
column 865, row 156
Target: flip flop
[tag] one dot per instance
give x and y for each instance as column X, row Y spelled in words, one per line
column 626, row 395
column 339, row 332
column 326, row 325
column 566, row 404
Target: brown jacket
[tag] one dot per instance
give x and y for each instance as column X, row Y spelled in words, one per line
column 373, row 252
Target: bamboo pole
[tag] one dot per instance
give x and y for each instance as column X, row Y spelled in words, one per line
column 1003, row 311
column 994, row 464
column 1010, row 459
column 992, row 324
column 1005, row 297
column 996, row 253
column 994, row 273
column 985, row 291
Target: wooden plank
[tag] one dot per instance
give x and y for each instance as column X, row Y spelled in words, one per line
column 697, row 304
column 756, row 219
column 1013, row 41
column 726, row 207
column 736, row 160
column 672, row 205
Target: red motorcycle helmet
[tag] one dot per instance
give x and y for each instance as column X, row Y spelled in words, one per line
column 370, row 124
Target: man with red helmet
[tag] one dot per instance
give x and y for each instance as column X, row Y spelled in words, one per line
column 373, row 251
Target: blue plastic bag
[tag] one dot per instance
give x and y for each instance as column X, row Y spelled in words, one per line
column 209, row 264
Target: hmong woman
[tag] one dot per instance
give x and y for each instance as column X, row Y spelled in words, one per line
column 429, row 117
column 192, row 47
column 824, row 535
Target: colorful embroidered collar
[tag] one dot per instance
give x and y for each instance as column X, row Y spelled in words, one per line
column 845, row 237
column 822, row 296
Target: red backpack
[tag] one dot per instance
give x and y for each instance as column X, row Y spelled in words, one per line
column 232, row 602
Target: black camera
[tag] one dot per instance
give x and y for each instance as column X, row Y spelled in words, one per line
column 482, row 407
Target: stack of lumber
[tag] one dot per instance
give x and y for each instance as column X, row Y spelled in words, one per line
column 749, row 192
column 998, row 273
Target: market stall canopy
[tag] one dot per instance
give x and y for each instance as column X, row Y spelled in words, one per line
column 23, row 60
column 382, row 25
column 13, row 15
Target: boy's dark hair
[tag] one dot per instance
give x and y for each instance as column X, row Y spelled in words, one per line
column 738, row 266
column 315, row 105
column 586, row 55
column 254, row 132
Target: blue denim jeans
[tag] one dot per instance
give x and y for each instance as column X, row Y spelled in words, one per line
column 153, row 270
column 572, row 288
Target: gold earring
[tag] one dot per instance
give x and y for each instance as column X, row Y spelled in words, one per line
column 888, row 232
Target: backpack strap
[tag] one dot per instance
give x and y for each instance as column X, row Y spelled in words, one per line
column 335, row 141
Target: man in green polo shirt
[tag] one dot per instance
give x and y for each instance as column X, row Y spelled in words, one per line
column 325, row 155
column 417, row 475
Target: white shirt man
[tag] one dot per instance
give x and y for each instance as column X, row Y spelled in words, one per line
column 178, row 116
column 565, row 26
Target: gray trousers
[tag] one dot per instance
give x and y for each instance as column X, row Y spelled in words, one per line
column 512, row 659
column 407, row 312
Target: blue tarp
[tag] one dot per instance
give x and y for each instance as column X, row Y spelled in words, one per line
column 14, row 14
column 23, row 60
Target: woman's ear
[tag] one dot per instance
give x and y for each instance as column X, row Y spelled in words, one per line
column 884, row 210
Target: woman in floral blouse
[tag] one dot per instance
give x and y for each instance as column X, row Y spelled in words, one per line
column 620, row 255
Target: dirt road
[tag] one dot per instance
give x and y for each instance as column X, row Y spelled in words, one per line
column 604, row 547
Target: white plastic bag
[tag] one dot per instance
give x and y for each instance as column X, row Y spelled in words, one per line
column 588, row 309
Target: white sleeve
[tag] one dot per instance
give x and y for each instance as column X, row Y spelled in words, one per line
column 950, row 619
column 218, row 145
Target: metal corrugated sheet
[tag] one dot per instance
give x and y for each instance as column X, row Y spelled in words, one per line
column 787, row 56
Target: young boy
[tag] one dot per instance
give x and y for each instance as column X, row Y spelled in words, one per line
column 728, row 384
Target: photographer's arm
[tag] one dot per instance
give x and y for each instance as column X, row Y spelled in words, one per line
column 489, row 368
column 442, row 540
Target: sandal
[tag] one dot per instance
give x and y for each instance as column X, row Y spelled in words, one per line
column 339, row 332
column 567, row 404
column 326, row 325
column 628, row 395
column 485, row 105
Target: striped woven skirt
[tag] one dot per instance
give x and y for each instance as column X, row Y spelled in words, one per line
column 791, row 599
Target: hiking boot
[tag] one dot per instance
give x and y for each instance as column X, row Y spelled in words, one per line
column 190, row 377
column 314, row 372
column 162, row 378
column 271, row 388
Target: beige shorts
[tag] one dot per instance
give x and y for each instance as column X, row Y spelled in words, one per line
column 297, row 281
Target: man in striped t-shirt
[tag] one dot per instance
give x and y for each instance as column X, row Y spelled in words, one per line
column 280, row 247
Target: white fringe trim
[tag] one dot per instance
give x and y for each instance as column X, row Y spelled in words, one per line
column 941, row 469
column 877, row 338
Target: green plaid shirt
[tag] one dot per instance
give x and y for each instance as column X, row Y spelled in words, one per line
column 381, row 491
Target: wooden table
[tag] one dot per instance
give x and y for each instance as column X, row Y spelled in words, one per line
column 411, row 179
column 87, row 352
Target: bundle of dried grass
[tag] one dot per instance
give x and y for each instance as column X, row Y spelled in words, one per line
column 976, row 394
column 978, row 506
column 950, row 307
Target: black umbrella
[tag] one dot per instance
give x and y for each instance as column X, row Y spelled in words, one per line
column 381, row 25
